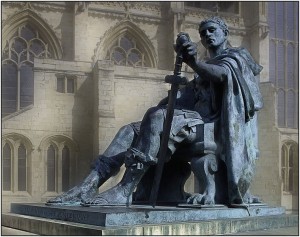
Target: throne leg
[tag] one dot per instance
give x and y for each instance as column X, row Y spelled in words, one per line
column 204, row 168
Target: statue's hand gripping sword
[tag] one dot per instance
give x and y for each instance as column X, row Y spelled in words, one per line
column 175, row 80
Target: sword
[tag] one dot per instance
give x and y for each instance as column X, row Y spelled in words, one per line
column 175, row 80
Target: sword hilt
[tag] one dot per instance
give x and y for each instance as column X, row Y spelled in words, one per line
column 182, row 38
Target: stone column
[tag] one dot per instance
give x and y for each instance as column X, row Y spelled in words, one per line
column 258, row 34
column 80, row 31
column 104, row 111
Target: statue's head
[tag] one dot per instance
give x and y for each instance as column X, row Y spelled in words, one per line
column 213, row 33
column 215, row 20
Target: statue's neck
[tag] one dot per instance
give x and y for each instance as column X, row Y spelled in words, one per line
column 214, row 52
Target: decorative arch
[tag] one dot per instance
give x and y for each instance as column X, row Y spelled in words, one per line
column 19, row 168
column 29, row 16
column 58, row 140
column 126, row 28
column 16, row 137
column 60, row 167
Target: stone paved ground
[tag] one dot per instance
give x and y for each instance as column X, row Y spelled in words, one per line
column 288, row 231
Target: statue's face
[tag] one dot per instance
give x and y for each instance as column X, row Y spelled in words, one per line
column 212, row 35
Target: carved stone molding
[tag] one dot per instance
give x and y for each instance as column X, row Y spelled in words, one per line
column 138, row 11
column 58, row 139
column 196, row 15
column 49, row 6
column 16, row 139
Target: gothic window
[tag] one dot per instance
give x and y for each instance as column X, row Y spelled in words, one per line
column 22, row 168
column 7, row 168
column 66, row 83
column 60, row 164
column 284, row 63
column 289, row 156
column 15, row 166
column 126, row 52
column 65, row 168
column 51, row 169
column 58, row 161
column 215, row 6
column 17, row 68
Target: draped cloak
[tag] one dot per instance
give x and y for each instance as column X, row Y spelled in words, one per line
column 241, row 99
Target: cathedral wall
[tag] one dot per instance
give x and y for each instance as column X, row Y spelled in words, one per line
column 54, row 114
column 267, row 179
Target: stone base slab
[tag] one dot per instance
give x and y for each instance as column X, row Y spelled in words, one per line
column 139, row 214
column 43, row 226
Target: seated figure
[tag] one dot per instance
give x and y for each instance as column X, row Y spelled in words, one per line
column 214, row 124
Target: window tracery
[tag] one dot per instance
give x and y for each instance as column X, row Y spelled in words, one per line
column 125, row 52
column 17, row 68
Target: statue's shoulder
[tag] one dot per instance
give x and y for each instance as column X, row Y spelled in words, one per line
column 243, row 53
column 237, row 51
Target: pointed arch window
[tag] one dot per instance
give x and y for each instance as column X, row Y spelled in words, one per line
column 126, row 52
column 51, row 169
column 65, row 168
column 16, row 164
column 22, row 168
column 17, row 68
column 289, row 157
column 7, row 168
column 60, row 164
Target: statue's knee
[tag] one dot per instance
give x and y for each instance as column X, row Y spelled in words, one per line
column 126, row 131
column 155, row 114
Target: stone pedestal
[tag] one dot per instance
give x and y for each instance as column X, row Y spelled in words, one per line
column 144, row 220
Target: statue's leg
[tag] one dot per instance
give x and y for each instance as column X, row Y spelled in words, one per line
column 148, row 141
column 137, row 163
column 204, row 169
column 104, row 167
column 138, row 160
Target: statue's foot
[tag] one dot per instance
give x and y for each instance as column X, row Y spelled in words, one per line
column 75, row 195
column 68, row 198
column 249, row 198
column 201, row 199
column 115, row 196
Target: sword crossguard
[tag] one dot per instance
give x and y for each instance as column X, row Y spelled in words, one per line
column 176, row 79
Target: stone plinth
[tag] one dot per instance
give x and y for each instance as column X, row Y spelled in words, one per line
column 144, row 220
column 140, row 214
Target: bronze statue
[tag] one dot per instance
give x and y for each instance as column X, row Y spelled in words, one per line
column 213, row 126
